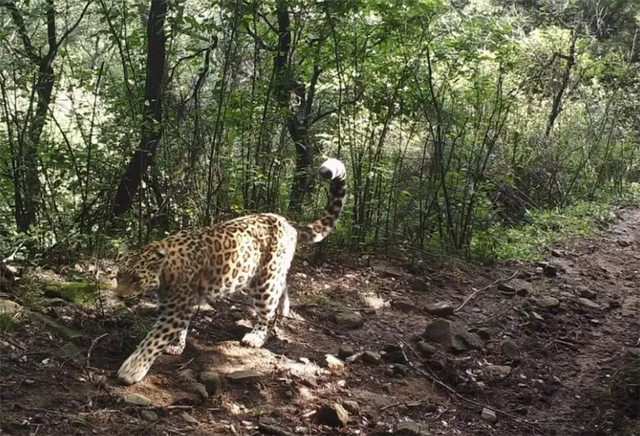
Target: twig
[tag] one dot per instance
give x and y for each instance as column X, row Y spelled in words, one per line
column 477, row 291
column 389, row 406
column 93, row 344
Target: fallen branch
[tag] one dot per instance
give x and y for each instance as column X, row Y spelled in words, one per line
column 477, row 291
column 93, row 344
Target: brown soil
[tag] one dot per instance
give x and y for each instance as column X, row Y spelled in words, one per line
column 570, row 374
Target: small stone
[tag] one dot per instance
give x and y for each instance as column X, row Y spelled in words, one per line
column 588, row 304
column 451, row 335
column 550, row 270
column 404, row 305
column 349, row 319
column 333, row 415
column 244, row 376
column 536, row 316
column 509, row 348
column 99, row 380
column 267, row 420
column 9, row 307
column 614, row 304
column 212, row 381
column 441, row 308
column 188, row 418
column 547, row 302
column 516, row 286
column 345, row 351
column 371, row 357
column 585, row 292
column 496, row 372
column 633, row 352
column 623, row 243
column 425, row 349
column 420, row 285
column 484, row 333
column 134, row 399
column 400, row 369
column 556, row 253
column 187, row 374
column 149, row 415
column 410, row 428
column 351, row 406
column 332, row 362
column 54, row 302
column 201, row 390
column 489, row 415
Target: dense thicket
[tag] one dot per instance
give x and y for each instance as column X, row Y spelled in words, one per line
column 132, row 118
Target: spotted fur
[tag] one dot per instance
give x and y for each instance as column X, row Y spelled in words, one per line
column 253, row 253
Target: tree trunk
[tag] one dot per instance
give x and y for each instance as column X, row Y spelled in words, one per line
column 556, row 106
column 151, row 113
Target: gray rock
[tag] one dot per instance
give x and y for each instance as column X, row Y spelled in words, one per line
column 633, row 352
column 371, row 357
column 351, row 406
column 345, row 351
column 585, row 292
column 410, row 428
column 348, row 319
column 489, row 415
column 333, row 415
column 188, row 418
column 149, row 415
column 550, row 270
column 441, row 308
column 420, row 285
column 404, row 305
column 588, row 304
column 509, row 348
column 484, row 333
column 134, row 399
column 9, row 307
column 547, row 302
column 54, row 302
column 451, row 335
column 201, row 390
column 496, row 372
column 332, row 362
column 425, row 348
column 212, row 381
column 244, row 376
column 400, row 369
column 516, row 286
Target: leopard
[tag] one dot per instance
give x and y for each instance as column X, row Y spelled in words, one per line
column 252, row 253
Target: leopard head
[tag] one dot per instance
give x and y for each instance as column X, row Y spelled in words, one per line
column 139, row 272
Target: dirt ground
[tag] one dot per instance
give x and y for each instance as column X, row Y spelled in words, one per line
column 566, row 330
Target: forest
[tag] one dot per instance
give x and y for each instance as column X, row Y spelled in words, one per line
column 492, row 153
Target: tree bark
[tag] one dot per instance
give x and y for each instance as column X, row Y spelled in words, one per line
column 556, row 106
column 151, row 112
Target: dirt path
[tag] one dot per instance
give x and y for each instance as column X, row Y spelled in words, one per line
column 549, row 353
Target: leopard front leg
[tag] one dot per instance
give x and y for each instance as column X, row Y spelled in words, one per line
column 169, row 326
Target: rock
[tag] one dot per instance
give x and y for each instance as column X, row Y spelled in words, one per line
column 547, row 302
column 496, row 372
column 267, row 420
column 134, row 399
column 371, row 357
column 556, row 253
column 333, row 415
column 187, row 374
column 345, row 351
column 451, row 335
column 9, row 307
column 623, row 243
column 354, row 357
column 212, row 381
column 201, row 390
column 332, row 362
column 149, row 415
column 441, row 308
column 54, row 302
column 349, row 319
column 400, row 369
column 404, row 305
column 188, row 418
column 425, row 349
column 351, row 406
column 585, row 292
column 489, row 415
column 633, row 352
column 99, row 381
column 65, row 331
column 550, row 270
column 588, row 304
column 410, row 428
column 509, row 348
column 484, row 333
column 420, row 285
column 393, row 354
column 516, row 286
column 244, row 376
column 614, row 304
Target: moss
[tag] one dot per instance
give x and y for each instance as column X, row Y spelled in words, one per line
column 81, row 293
